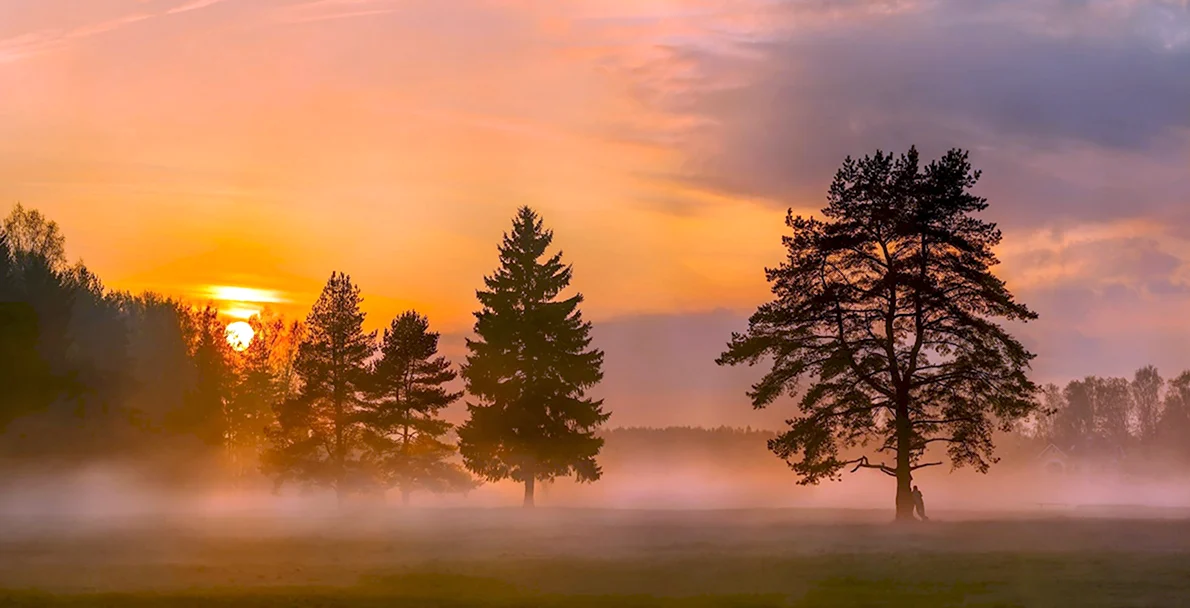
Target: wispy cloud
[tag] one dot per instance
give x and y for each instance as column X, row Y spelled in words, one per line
column 193, row 5
column 334, row 16
column 42, row 41
column 327, row 10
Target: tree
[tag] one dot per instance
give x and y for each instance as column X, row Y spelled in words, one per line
column 9, row 290
column 1146, row 398
column 529, row 370
column 1113, row 402
column 1174, row 425
column 888, row 308
column 317, row 438
column 203, row 412
column 256, row 389
column 31, row 234
column 401, row 419
column 161, row 366
column 1053, row 403
column 26, row 382
column 1075, row 424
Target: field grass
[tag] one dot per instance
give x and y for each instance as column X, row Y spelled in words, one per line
column 598, row 558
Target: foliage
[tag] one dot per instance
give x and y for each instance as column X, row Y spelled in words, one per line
column 403, row 427
column 257, row 386
column 1146, row 389
column 25, row 377
column 203, row 412
column 529, row 369
column 317, row 439
column 888, row 307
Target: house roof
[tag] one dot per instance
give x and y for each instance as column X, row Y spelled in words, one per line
column 1052, row 451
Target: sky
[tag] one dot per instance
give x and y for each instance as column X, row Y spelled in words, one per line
column 190, row 146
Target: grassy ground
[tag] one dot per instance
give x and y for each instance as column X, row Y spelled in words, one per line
column 598, row 558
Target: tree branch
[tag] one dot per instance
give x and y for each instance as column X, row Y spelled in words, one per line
column 862, row 463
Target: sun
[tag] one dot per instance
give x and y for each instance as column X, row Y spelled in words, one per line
column 239, row 335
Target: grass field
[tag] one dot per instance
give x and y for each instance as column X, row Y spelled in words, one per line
column 599, row 558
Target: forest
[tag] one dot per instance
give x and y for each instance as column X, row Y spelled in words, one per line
column 96, row 375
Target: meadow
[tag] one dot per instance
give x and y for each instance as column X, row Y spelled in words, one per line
column 567, row 557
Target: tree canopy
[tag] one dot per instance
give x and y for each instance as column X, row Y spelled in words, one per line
column 402, row 421
column 888, row 309
column 529, row 369
column 317, row 439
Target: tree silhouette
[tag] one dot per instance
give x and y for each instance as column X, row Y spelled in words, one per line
column 1113, row 403
column 256, row 389
column 887, row 307
column 401, row 419
column 26, row 382
column 32, row 235
column 317, row 438
column 203, row 413
column 1147, row 384
column 529, row 370
column 1173, row 429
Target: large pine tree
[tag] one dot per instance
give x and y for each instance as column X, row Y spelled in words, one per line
column 317, row 437
column 402, row 420
column 888, row 309
column 529, row 370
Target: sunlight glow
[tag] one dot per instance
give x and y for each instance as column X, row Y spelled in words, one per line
column 243, row 294
column 239, row 335
column 240, row 312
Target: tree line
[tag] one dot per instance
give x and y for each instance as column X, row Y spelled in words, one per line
column 887, row 326
column 89, row 373
column 1115, row 419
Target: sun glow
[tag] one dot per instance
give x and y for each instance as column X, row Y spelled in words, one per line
column 225, row 293
column 239, row 335
column 243, row 313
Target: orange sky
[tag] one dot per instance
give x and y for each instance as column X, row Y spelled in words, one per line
column 185, row 144
column 235, row 144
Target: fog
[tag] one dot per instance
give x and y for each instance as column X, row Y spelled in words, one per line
column 662, row 480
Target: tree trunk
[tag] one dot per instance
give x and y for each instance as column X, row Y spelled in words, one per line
column 904, row 473
column 529, row 492
column 340, row 494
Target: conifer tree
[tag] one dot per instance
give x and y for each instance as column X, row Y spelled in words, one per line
column 25, row 379
column 402, row 422
column 888, row 309
column 317, row 438
column 529, row 369
column 203, row 410
column 256, row 389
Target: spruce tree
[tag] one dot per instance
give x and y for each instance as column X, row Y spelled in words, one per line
column 317, row 438
column 529, row 369
column 402, row 422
